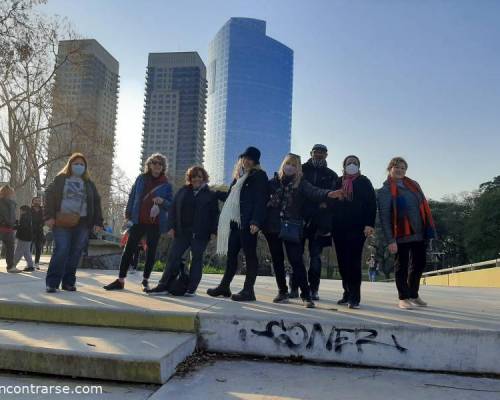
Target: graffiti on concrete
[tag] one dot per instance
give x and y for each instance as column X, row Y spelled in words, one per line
column 296, row 335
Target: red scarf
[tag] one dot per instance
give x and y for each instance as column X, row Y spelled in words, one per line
column 401, row 226
column 347, row 186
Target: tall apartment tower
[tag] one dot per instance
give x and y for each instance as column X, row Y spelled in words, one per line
column 85, row 100
column 250, row 80
column 174, row 111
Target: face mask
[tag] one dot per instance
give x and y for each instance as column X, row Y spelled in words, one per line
column 319, row 163
column 289, row 170
column 154, row 212
column 78, row 169
column 352, row 169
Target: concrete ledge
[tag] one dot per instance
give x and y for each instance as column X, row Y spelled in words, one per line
column 364, row 343
column 86, row 352
column 99, row 316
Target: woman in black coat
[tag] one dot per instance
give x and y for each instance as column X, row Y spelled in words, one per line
column 191, row 223
column 353, row 221
column 289, row 190
column 240, row 220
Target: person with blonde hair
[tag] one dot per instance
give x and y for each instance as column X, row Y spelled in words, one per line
column 147, row 206
column 285, row 224
column 192, row 222
column 241, row 219
column 408, row 225
column 72, row 209
column 7, row 225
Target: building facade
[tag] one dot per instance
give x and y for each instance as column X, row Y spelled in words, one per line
column 250, row 84
column 174, row 111
column 85, row 101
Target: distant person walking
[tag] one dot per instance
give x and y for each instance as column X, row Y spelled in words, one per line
column 285, row 223
column 318, row 217
column 192, row 221
column 372, row 269
column 147, row 206
column 240, row 220
column 407, row 224
column 24, row 236
column 353, row 221
column 37, row 223
column 7, row 225
column 72, row 209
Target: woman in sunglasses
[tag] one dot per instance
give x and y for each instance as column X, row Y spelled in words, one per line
column 147, row 206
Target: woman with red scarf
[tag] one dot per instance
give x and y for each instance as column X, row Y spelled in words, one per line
column 407, row 224
column 353, row 221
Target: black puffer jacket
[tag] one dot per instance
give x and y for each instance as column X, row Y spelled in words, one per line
column 287, row 201
column 206, row 212
column 253, row 198
column 324, row 178
column 353, row 216
column 54, row 195
column 25, row 227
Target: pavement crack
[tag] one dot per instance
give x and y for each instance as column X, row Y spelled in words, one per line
column 461, row 388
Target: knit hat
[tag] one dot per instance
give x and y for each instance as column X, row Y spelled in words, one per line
column 252, row 153
column 320, row 147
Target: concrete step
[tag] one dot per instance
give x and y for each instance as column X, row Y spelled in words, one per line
column 89, row 352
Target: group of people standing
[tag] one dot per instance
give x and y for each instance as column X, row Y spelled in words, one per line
column 21, row 236
column 302, row 203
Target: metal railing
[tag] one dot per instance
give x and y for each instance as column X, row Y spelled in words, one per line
column 463, row 268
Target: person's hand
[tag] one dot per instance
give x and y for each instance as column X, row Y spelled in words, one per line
column 213, row 236
column 336, row 194
column 369, row 231
column 171, row 233
column 254, row 229
column 158, row 200
column 393, row 248
column 50, row 222
column 97, row 228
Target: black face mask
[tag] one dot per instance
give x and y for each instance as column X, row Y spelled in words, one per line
column 318, row 163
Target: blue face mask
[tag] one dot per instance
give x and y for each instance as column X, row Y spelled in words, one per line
column 78, row 169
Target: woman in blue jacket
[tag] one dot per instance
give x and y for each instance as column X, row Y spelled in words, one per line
column 147, row 206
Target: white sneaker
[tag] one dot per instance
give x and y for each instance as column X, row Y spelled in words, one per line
column 418, row 302
column 405, row 305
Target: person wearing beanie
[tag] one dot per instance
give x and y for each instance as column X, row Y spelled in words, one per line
column 317, row 217
column 353, row 221
column 240, row 221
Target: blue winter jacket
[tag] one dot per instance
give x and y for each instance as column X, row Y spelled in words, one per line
column 137, row 194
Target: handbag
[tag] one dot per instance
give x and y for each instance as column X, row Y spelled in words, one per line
column 291, row 230
column 67, row 220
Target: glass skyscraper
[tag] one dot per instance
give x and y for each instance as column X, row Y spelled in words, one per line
column 250, row 80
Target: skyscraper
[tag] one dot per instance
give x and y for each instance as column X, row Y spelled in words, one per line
column 85, row 101
column 250, row 79
column 174, row 110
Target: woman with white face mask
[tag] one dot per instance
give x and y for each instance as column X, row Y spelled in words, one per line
column 285, row 222
column 72, row 209
column 353, row 221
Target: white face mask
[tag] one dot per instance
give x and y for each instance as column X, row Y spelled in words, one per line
column 351, row 169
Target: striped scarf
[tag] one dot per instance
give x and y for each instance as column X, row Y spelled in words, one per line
column 401, row 226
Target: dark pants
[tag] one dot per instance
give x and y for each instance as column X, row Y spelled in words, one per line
column 136, row 233
column 349, row 248
column 294, row 252
column 241, row 239
column 315, row 245
column 408, row 268
column 134, row 262
column 68, row 247
column 8, row 240
column 37, row 245
column 179, row 246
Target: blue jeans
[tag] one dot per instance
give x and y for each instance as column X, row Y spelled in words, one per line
column 69, row 244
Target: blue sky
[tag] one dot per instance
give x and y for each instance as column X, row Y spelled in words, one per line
column 374, row 78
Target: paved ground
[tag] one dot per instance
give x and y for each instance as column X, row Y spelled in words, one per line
column 259, row 380
column 450, row 307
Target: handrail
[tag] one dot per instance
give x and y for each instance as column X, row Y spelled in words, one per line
column 466, row 267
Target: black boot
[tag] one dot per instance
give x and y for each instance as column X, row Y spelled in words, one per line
column 219, row 291
column 115, row 285
column 244, row 295
column 294, row 293
column 282, row 297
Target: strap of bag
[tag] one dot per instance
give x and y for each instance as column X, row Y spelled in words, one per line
column 153, row 190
